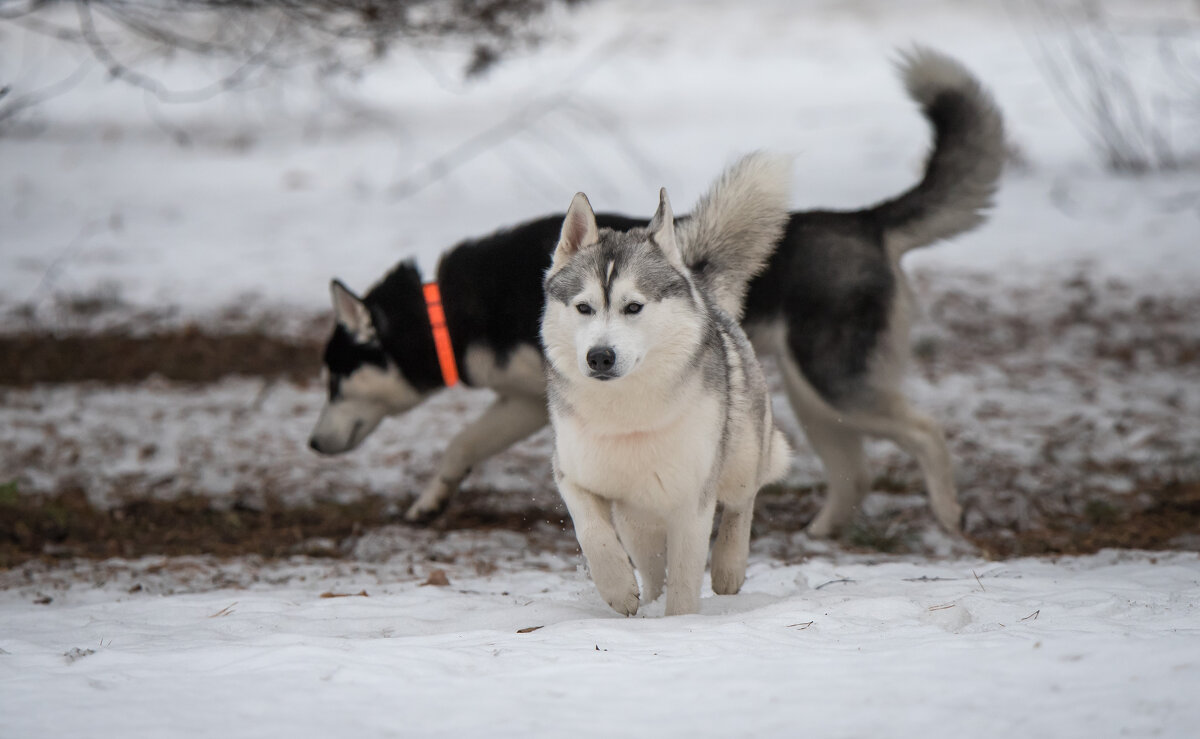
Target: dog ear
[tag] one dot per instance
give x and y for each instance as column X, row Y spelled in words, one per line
column 349, row 311
column 662, row 230
column 578, row 231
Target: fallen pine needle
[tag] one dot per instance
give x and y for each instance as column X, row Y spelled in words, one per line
column 942, row 607
column 833, row 582
column 1033, row 615
column 802, row 626
column 359, row 594
column 224, row 611
column 528, row 629
column 979, row 581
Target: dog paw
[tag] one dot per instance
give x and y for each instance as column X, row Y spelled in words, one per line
column 431, row 503
column 625, row 604
column 728, row 581
column 424, row 511
column 821, row 528
column 683, row 604
column 949, row 516
column 617, row 587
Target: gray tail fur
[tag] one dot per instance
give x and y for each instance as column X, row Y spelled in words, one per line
column 735, row 227
column 968, row 154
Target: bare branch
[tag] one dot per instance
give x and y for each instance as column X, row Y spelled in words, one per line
column 11, row 106
column 1093, row 67
column 253, row 36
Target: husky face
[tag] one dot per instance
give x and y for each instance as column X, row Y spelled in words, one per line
column 365, row 385
column 614, row 297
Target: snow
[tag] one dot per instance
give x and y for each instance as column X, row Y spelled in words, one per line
column 234, row 440
column 1106, row 645
column 278, row 188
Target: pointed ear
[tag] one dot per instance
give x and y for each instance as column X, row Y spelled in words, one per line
column 662, row 229
column 349, row 311
column 578, row 231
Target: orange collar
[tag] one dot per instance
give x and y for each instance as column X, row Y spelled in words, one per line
column 441, row 334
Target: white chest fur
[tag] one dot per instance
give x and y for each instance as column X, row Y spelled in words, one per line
column 653, row 466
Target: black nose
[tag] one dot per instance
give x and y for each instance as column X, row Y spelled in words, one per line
column 601, row 359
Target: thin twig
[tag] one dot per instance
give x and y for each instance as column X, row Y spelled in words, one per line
column 515, row 123
column 17, row 103
column 118, row 70
column 224, row 611
column 52, row 273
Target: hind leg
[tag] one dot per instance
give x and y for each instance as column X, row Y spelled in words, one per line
column 732, row 549
column 923, row 438
column 646, row 541
column 839, row 447
column 841, row 453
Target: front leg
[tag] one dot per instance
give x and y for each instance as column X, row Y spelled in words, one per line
column 506, row 421
column 645, row 538
column 688, row 531
column 606, row 558
column 732, row 549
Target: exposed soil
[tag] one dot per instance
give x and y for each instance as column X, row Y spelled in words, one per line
column 187, row 355
column 67, row 525
column 1172, row 522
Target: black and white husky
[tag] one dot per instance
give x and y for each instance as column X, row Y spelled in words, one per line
column 832, row 307
column 659, row 407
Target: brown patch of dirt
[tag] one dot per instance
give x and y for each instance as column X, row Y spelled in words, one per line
column 1172, row 522
column 188, row 355
column 67, row 525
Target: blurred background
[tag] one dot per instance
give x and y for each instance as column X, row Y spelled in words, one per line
column 180, row 179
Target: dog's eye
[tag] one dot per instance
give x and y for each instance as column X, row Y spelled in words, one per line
column 633, row 308
column 584, row 308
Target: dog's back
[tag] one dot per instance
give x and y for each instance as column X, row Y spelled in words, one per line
column 834, row 285
column 834, row 307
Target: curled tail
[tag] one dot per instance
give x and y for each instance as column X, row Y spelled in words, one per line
column 735, row 227
column 967, row 158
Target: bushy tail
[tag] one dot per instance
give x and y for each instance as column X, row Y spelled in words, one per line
column 735, row 227
column 967, row 158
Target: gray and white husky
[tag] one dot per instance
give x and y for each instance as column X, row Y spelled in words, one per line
column 832, row 307
column 659, row 406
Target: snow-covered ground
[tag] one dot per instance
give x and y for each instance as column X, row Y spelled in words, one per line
column 1058, row 348
column 1106, row 645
